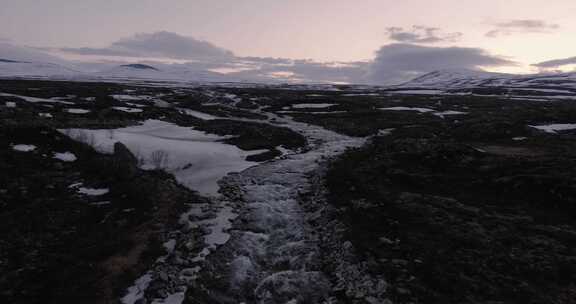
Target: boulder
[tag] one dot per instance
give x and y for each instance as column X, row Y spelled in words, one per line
column 125, row 163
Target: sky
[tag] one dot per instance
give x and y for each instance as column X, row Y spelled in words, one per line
column 496, row 35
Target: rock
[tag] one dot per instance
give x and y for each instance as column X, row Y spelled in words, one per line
column 385, row 240
column 156, row 287
column 164, row 276
column 125, row 163
column 399, row 263
column 402, row 291
column 141, row 301
column 564, row 235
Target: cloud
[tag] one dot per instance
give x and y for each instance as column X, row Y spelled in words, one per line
column 392, row 64
column 521, row 26
column 421, row 34
column 270, row 60
column 159, row 44
column 196, row 56
column 171, row 45
column 395, row 63
column 556, row 63
column 27, row 54
column 327, row 72
column 307, row 70
column 100, row 52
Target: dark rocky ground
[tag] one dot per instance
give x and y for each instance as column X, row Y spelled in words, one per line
column 456, row 211
column 60, row 246
column 473, row 208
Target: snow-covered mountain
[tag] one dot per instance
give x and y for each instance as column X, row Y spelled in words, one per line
column 469, row 79
column 165, row 72
column 457, row 79
column 10, row 67
column 29, row 62
column 13, row 68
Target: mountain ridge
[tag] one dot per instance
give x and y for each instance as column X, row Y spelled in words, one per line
column 463, row 79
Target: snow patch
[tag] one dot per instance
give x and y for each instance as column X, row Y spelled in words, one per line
column 127, row 110
column 131, row 97
column 418, row 92
column 197, row 159
column 36, row 99
column 65, row 157
column 24, row 148
column 92, row 191
column 312, row 105
column 361, row 94
column 447, row 113
column 553, row 128
column 136, row 292
column 175, row 298
column 77, row 111
column 199, row 115
column 421, row 110
column 170, row 245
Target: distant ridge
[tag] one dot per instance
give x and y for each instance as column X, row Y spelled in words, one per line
column 139, row 66
column 9, row 61
column 457, row 78
column 468, row 79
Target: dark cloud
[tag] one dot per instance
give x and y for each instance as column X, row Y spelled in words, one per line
column 171, row 45
column 100, row 52
column 556, row 63
column 522, row 26
column 399, row 62
column 159, row 44
column 421, row 34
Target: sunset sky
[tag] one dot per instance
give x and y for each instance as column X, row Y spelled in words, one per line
column 518, row 33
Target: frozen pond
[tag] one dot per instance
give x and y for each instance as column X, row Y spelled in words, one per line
column 197, row 159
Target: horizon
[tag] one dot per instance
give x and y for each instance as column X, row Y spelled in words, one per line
column 374, row 42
